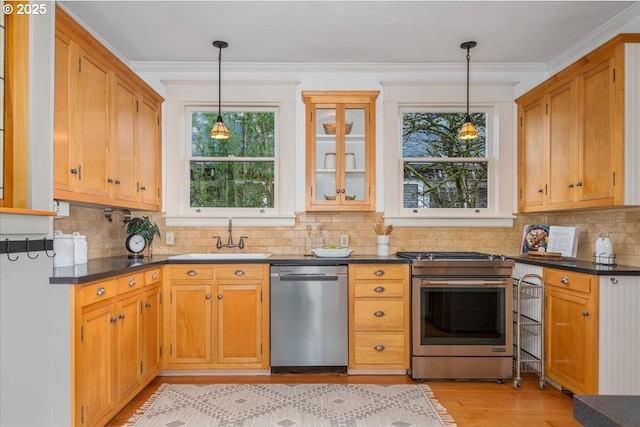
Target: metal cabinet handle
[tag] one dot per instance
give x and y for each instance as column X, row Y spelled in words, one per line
column 239, row 273
column 379, row 289
column 121, row 316
column 379, row 347
column 585, row 313
column 132, row 283
column 154, row 276
column 192, row 273
column 379, row 313
column 379, row 272
column 207, row 296
column 220, row 296
column 565, row 280
column 101, row 291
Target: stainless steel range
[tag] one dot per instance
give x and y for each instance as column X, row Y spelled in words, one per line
column 461, row 315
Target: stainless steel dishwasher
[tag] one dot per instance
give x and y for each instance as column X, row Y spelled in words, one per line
column 309, row 317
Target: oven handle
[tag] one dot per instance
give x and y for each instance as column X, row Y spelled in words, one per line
column 450, row 282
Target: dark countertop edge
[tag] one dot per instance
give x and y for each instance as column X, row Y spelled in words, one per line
column 581, row 266
column 105, row 268
column 606, row 410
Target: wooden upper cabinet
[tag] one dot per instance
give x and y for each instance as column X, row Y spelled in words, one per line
column 106, row 125
column 571, row 136
column 340, row 150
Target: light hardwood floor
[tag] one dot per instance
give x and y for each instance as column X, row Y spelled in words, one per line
column 470, row 403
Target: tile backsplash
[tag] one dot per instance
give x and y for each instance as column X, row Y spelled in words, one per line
column 106, row 239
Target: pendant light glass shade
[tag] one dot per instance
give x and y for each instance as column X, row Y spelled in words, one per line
column 468, row 130
column 219, row 130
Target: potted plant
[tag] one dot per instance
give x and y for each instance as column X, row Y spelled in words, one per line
column 144, row 227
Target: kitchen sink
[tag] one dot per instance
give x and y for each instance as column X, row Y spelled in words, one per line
column 203, row 256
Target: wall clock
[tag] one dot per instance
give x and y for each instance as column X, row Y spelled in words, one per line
column 135, row 244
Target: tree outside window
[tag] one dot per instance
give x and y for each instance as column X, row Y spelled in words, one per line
column 238, row 172
column 440, row 170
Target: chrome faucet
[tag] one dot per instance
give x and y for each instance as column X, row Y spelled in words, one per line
column 230, row 243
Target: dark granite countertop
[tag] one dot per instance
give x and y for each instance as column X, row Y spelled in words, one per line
column 103, row 268
column 607, row 411
column 581, row 266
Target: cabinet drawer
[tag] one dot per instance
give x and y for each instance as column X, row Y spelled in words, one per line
column 568, row 280
column 379, row 348
column 193, row 272
column 377, row 315
column 240, row 272
column 102, row 291
column 390, row 289
column 378, row 272
column 130, row 282
column 152, row 276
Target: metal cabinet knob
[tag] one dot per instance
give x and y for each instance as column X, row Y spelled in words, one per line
column 239, row 273
column 570, row 185
column 207, row 296
column 540, row 190
column 379, row 289
column 585, row 313
column 117, row 182
column 147, row 304
column 101, row 291
column 113, row 319
column 154, row 276
column 192, row 273
column 132, row 282
column 579, row 184
column 121, row 316
column 379, row 313
column 74, row 171
column 379, row 272
column 143, row 188
column 379, row 347
column 220, row 296
column 565, row 280
column 110, row 180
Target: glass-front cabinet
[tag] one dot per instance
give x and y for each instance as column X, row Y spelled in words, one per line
column 340, row 150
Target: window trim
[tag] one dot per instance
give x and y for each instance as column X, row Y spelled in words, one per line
column 497, row 101
column 182, row 96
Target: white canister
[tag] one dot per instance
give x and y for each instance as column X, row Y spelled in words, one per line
column 63, row 249
column 350, row 161
column 330, row 161
column 383, row 245
column 79, row 248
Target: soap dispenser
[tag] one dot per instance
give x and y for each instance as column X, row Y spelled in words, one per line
column 607, row 250
column 598, row 252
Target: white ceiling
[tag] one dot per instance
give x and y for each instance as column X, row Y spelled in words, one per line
column 336, row 32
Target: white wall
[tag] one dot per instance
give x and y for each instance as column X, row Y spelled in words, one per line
column 35, row 348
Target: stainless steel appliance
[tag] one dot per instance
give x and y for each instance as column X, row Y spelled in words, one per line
column 461, row 315
column 309, row 318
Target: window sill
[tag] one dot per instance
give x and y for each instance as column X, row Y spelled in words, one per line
column 449, row 221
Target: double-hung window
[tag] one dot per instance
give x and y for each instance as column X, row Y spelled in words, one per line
column 246, row 176
column 433, row 178
column 237, row 172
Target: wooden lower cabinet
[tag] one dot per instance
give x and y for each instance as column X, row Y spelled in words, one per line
column 378, row 317
column 571, row 330
column 217, row 316
column 110, row 334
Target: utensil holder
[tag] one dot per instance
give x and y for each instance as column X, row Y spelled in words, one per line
column 383, row 245
column 330, row 161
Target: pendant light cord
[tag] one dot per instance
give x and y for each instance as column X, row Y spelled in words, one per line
column 468, row 59
column 220, row 82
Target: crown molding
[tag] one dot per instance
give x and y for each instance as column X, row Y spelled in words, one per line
column 275, row 67
column 596, row 38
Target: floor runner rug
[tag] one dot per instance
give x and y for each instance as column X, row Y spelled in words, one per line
column 291, row 405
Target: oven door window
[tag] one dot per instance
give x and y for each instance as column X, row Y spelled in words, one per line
column 460, row 315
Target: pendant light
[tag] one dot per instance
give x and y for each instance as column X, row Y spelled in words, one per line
column 468, row 130
column 219, row 130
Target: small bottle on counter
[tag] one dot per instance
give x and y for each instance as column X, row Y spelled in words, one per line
column 598, row 252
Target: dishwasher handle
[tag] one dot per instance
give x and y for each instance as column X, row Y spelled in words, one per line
column 308, row 277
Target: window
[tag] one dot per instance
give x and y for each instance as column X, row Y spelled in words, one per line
column 247, row 176
column 237, row 172
column 431, row 178
column 440, row 170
